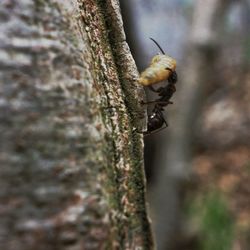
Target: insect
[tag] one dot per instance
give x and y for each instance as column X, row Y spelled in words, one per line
column 162, row 67
column 159, row 70
column 156, row 120
column 165, row 93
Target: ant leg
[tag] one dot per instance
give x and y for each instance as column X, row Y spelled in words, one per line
column 165, row 122
column 138, row 131
column 157, row 102
column 153, row 132
column 156, row 90
column 163, row 118
column 153, row 89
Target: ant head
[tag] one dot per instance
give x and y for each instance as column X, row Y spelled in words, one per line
column 173, row 78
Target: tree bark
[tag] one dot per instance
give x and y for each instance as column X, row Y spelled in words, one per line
column 71, row 160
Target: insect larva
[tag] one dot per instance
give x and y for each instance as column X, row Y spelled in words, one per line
column 160, row 68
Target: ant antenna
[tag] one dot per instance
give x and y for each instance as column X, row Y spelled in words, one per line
column 157, row 44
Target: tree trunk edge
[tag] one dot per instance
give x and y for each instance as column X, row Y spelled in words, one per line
column 69, row 96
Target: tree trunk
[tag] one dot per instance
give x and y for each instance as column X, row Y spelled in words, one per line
column 71, row 160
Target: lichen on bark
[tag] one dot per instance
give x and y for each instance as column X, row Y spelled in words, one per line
column 71, row 160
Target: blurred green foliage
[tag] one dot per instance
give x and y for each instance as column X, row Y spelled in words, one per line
column 247, row 49
column 215, row 223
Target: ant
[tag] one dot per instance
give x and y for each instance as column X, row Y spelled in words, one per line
column 156, row 120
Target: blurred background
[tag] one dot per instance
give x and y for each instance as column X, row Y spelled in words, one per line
column 198, row 169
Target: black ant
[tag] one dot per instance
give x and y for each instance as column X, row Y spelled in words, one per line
column 156, row 120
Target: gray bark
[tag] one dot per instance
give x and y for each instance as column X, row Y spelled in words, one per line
column 71, row 172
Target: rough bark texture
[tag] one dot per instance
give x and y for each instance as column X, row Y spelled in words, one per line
column 71, row 173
